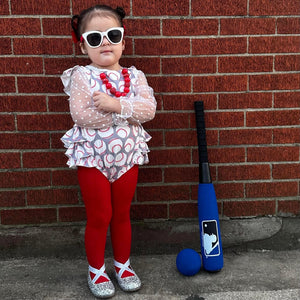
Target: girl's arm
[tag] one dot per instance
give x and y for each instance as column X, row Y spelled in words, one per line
column 140, row 108
column 83, row 111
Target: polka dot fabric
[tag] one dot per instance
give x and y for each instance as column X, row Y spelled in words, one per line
column 111, row 142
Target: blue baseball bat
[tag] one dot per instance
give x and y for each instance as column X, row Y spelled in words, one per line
column 209, row 224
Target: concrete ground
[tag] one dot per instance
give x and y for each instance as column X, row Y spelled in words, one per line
column 261, row 261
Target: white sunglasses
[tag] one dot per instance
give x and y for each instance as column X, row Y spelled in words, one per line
column 95, row 38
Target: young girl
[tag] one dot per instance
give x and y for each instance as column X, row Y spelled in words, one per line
column 108, row 104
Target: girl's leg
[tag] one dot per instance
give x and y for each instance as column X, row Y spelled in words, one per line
column 123, row 191
column 96, row 193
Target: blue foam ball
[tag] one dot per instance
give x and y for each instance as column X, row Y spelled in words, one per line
column 188, row 262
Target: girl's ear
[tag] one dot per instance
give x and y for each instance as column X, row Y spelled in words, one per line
column 82, row 48
column 123, row 45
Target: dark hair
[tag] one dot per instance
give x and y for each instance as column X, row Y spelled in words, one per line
column 78, row 22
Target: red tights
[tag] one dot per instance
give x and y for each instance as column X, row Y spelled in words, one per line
column 107, row 204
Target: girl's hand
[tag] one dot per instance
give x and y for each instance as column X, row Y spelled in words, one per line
column 106, row 103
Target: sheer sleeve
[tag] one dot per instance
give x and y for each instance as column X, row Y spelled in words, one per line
column 140, row 108
column 83, row 112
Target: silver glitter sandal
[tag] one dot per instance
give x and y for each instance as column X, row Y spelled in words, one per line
column 130, row 283
column 101, row 290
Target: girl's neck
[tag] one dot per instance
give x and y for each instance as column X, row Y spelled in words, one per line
column 115, row 67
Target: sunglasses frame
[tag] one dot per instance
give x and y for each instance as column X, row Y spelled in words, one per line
column 103, row 34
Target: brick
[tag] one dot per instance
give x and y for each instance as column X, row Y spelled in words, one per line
column 181, row 138
column 79, row 5
column 225, row 83
column 28, row 216
column 271, row 189
column 182, row 174
column 287, row 63
column 72, row 214
column 45, row 46
column 249, row 208
column 226, row 155
column 178, row 84
column 213, row 46
column 288, row 25
column 243, row 172
column 224, row 119
column 10, row 160
column 7, row 123
column 157, row 138
column 41, row 7
column 64, row 177
column 248, row 26
column 245, row 100
column 219, row 8
column 274, row 44
column 44, row 160
column 183, row 210
column 4, row 8
column 272, row 118
column 149, row 175
column 24, row 179
column 149, row 65
column 287, row 99
column 229, row 190
column 58, row 104
column 57, row 65
column 246, row 136
column 142, row 27
column 165, row 7
column 44, row 122
column 186, row 102
column 171, row 121
column 268, row 154
column 273, row 7
column 286, row 135
column 274, row 82
column 128, row 46
column 56, row 26
column 286, row 171
column 20, row 26
column 5, row 46
column 245, row 64
column 55, row 141
column 289, row 207
column 163, row 193
column 23, row 103
column 7, row 84
column 12, row 198
column 170, row 157
column 186, row 65
column 52, row 197
column 162, row 46
column 40, row 85
column 24, row 141
column 190, row 27
column 149, row 211
column 21, row 65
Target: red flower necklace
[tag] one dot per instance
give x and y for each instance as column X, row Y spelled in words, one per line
column 112, row 90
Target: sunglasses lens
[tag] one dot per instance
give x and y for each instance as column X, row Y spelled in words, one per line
column 94, row 39
column 115, row 36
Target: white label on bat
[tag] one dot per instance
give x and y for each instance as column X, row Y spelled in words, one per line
column 210, row 238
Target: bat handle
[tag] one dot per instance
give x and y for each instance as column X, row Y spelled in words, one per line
column 204, row 173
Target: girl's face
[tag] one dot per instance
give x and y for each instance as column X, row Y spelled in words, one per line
column 107, row 55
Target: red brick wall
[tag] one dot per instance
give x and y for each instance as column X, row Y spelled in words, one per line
column 241, row 57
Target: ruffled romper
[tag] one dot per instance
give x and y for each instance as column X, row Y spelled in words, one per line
column 112, row 150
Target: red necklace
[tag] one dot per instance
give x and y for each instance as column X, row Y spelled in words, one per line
column 112, row 90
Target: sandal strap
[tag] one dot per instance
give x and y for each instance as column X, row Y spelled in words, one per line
column 124, row 267
column 98, row 273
